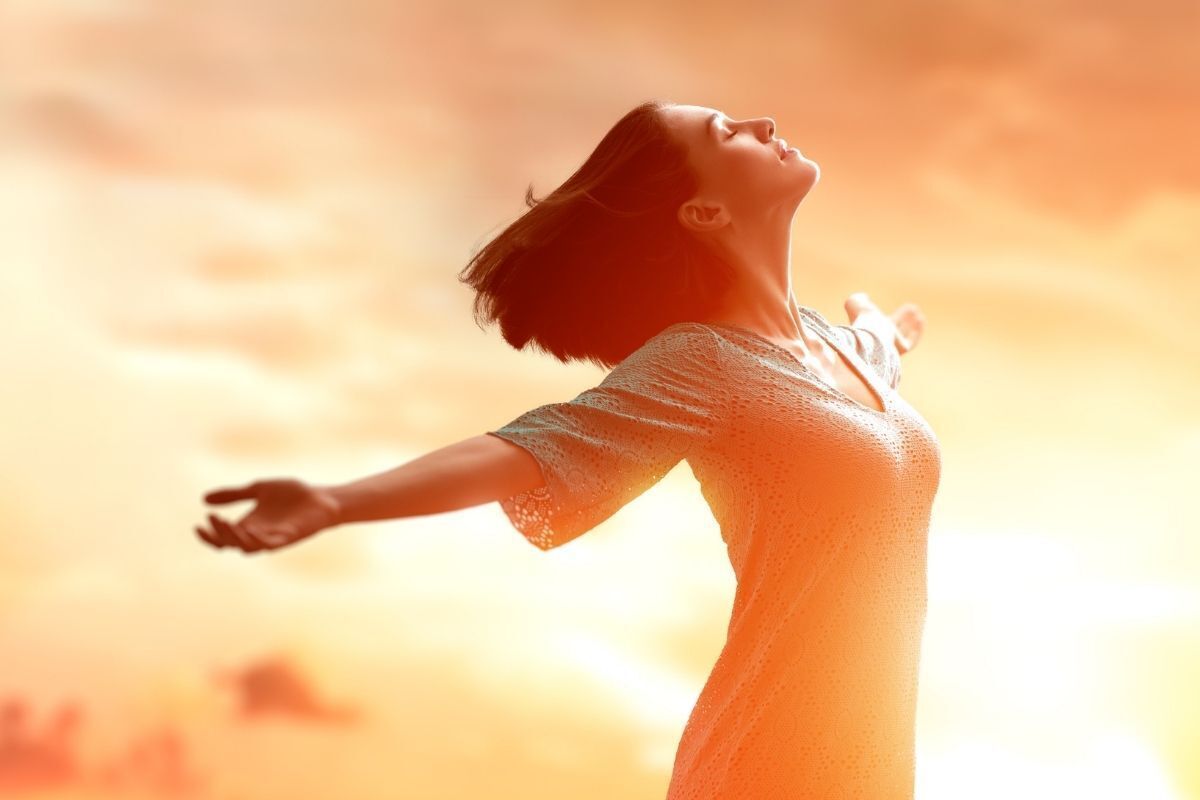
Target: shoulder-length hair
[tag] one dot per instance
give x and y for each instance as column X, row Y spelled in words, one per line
column 602, row 264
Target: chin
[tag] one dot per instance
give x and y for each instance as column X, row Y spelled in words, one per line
column 812, row 171
column 806, row 182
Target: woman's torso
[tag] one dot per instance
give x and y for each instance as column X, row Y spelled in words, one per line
column 823, row 503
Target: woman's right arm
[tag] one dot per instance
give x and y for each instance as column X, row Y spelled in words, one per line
column 467, row 473
column 477, row 470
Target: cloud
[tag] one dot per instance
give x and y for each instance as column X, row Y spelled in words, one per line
column 232, row 233
column 46, row 757
column 275, row 686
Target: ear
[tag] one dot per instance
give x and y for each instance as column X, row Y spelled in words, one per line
column 701, row 216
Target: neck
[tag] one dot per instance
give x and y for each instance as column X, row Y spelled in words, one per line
column 760, row 298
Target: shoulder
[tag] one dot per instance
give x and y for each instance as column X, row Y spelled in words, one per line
column 695, row 335
column 816, row 318
column 688, row 343
column 683, row 352
column 845, row 334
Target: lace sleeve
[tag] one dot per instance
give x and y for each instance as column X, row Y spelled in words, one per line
column 884, row 359
column 611, row 443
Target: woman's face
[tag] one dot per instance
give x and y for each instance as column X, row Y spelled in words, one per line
column 740, row 165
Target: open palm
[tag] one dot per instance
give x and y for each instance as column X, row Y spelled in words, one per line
column 907, row 318
column 286, row 511
column 910, row 324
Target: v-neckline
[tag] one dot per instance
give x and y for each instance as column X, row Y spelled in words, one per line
column 850, row 358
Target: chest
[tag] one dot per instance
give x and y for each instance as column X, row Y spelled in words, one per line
column 833, row 369
column 792, row 426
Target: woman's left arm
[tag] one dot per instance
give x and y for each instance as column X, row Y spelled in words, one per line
column 901, row 329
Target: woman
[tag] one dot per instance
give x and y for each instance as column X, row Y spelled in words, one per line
column 666, row 256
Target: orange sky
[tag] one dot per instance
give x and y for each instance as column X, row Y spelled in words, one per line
column 231, row 239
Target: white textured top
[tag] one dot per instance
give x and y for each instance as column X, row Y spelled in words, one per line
column 824, row 506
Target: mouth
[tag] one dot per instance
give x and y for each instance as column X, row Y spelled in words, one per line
column 781, row 145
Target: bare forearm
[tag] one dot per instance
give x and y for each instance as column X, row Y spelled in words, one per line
column 477, row 470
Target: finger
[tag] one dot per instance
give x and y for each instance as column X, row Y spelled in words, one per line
column 253, row 543
column 261, row 534
column 208, row 538
column 231, row 495
column 857, row 301
column 250, row 544
column 284, row 535
column 276, row 536
column 213, row 536
column 221, row 530
column 231, row 533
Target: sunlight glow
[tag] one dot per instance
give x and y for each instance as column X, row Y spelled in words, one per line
column 1114, row 766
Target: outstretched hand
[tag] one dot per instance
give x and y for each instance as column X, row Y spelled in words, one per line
column 286, row 511
column 907, row 319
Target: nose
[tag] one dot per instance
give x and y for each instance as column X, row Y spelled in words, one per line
column 768, row 124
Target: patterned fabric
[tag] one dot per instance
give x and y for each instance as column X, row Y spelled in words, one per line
column 884, row 360
column 611, row 443
column 824, row 506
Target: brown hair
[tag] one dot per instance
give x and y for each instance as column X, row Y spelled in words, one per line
column 601, row 264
